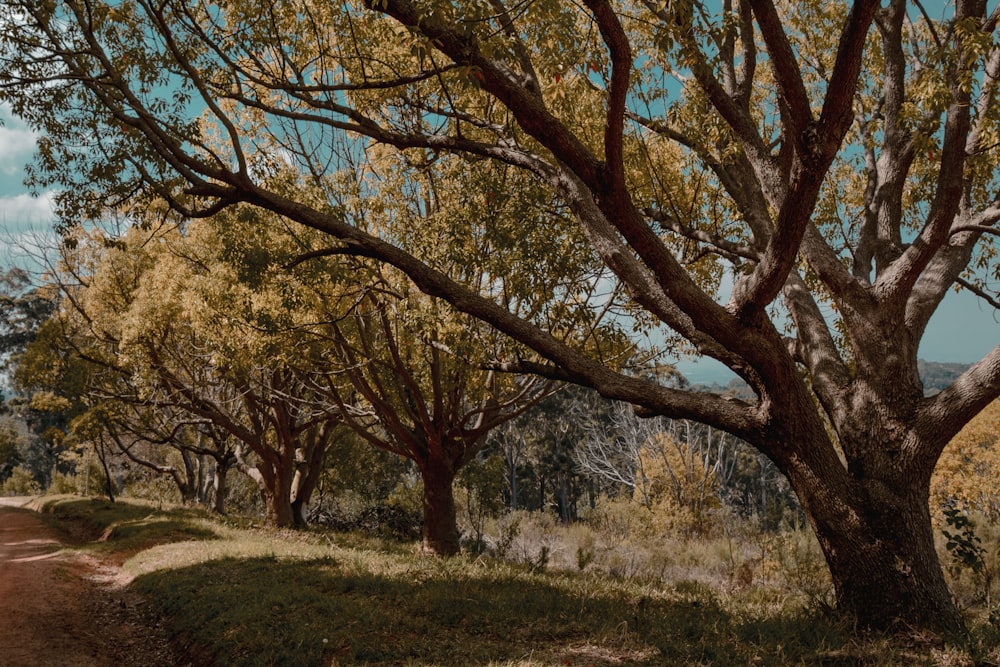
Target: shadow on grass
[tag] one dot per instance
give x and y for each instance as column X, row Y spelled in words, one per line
column 271, row 612
column 121, row 529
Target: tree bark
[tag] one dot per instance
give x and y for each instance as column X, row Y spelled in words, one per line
column 878, row 543
column 886, row 571
column 221, row 486
column 275, row 489
column 441, row 536
column 279, row 509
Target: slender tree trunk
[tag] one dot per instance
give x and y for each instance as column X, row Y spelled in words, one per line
column 563, row 499
column 188, row 482
column 108, row 483
column 440, row 527
column 199, row 478
column 513, row 487
column 189, row 492
column 221, row 486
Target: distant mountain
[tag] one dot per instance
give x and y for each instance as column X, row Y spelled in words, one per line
column 935, row 375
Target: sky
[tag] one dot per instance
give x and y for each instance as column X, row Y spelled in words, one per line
column 963, row 330
column 21, row 215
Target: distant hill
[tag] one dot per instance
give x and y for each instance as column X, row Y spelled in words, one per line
column 935, row 375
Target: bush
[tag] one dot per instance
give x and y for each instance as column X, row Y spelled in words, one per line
column 351, row 512
column 147, row 485
column 525, row 537
column 21, row 483
column 795, row 559
column 243, row 495
column 970, row 551
column 64, row 484
column 618, row 520
column 504, row 531
column 479, row 497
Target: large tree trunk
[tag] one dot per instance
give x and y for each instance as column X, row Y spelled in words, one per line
column 279, row 509
column 886, row 571
column 440, row 526
column 275, row 488
column 879, row 546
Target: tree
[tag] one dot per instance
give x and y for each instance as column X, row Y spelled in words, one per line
column 839, row 160
column 23, row 309
column 9, row 457
column 411, row 374
column 408, row 393
column 48, row 380
column 167, row 441
column 163, row 330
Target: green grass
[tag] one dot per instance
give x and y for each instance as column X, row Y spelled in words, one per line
column 241, row 596
column 390, row 610
column 117, row 530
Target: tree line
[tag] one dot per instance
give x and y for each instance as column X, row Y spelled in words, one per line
column 834, row 162
column 169, row 353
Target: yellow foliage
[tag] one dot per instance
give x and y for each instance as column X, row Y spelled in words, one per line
column 674, row 482
column 968, row 472
column 47, row 401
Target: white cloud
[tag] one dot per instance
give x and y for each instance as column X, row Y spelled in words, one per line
column 16, row 147
column 24, row 211
column 17, row 144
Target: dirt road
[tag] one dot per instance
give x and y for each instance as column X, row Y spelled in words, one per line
column 60, row 608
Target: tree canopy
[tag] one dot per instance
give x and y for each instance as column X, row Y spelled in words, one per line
column 835, row 162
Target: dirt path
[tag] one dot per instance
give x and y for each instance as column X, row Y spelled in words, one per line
column 60, row 608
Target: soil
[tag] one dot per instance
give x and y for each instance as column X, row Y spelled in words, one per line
column 61, row 608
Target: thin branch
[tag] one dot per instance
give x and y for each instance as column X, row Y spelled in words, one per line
column 979, row 292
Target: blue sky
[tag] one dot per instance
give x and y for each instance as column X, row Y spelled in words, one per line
column 963, row 330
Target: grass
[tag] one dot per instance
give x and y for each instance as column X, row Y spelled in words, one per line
column 118, row 530
column 384, row 609
column 235, row 595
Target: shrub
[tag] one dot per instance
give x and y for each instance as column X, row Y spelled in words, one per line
column 971, row 551
column 479, row 497
column 505, row 531
column 793, row 557
column 21, row 483
column 617, row 520
column 64, row 484
column 349, row 511
column 157, row 488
